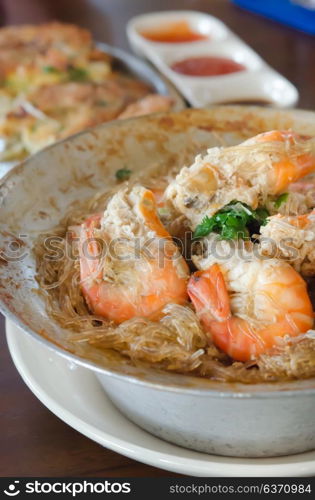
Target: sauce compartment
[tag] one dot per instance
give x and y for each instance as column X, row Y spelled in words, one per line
column 255, row 82
column 208, row 27
column 207, row 66
column 236, row 52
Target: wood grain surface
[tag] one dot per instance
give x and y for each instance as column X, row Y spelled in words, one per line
column 33, row 442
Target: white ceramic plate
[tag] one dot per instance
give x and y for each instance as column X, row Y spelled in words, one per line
column 73, row 394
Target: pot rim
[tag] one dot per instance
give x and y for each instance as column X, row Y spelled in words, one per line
column 158, row 379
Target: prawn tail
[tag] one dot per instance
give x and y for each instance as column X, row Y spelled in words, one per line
column 237, row 338
column 208, row 293
column 90, row 250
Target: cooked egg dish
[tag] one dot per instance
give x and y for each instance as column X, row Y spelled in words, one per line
column 55, row 82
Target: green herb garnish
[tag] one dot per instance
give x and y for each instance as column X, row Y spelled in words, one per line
column 50, row 69
column 77, row 74
column 233, row 221
column 123, row 174
column 163, row 211
column 261, row 215
column 281, row 199
column 101, row 102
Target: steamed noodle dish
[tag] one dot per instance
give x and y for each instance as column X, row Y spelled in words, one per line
column 205, row 271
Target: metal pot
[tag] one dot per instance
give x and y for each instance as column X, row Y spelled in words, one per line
column 226, row 419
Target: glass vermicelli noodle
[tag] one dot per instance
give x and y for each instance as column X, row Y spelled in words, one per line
column 224, row 320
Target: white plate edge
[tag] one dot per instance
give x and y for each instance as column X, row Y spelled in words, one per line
column 193, row 467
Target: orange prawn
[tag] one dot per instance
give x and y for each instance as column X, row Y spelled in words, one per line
column 141, row 285
column 278, row 306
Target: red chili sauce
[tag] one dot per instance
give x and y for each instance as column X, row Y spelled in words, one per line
column 177, row 32
column 207, row 66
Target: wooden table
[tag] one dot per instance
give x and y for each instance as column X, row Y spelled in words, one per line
column 33, row 442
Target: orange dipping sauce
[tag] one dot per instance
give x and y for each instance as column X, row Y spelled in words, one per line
column 179, row 32
column 207, row 66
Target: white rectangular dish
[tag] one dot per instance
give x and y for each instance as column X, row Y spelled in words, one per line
column 257, row 82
